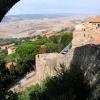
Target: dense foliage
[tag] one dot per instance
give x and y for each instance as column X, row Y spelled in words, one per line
column 26, row 51
column 24, row 57
column 67, row 85
column 13, row 40
column 6, row 80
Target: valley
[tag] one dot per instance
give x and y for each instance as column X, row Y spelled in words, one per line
column 29, row 27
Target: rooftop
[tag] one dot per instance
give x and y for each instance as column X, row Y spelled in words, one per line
column 95, row 20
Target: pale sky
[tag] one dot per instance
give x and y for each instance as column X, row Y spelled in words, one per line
column 56, row 6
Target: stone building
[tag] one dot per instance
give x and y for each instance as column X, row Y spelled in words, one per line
column 86, row 32
column 80, row 27
column 89, row 24
column 95, row 22
column 11, row 49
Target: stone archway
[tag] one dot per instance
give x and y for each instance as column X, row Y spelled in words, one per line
column 5, row 6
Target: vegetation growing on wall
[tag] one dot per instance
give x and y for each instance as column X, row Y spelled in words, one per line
column 67, row 85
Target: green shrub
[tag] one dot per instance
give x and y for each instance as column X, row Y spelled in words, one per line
column 67, row 85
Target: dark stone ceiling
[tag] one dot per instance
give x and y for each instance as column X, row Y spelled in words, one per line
column 5, row 6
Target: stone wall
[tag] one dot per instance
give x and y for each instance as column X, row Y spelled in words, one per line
column 48, row 62
column 88, row 57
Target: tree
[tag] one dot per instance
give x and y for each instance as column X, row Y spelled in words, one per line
column 5, row 95
column 26, row 53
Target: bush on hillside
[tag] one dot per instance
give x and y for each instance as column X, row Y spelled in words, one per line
column 67, row 85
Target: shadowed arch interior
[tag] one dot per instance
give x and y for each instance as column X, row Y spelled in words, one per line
column 5, row 6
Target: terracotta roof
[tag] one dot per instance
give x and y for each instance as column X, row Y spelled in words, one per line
column 95, row 20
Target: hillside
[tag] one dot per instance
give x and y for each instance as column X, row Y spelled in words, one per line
column 32, row 25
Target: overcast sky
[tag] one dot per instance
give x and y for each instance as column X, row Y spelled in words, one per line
column 56, row 6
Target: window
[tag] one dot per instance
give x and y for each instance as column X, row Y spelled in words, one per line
column 98, row 25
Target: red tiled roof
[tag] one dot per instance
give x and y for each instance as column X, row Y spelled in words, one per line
column 95, row 20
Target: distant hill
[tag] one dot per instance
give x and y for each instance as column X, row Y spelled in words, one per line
column 18, row 26
column 32, row 16
column 36, row 16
